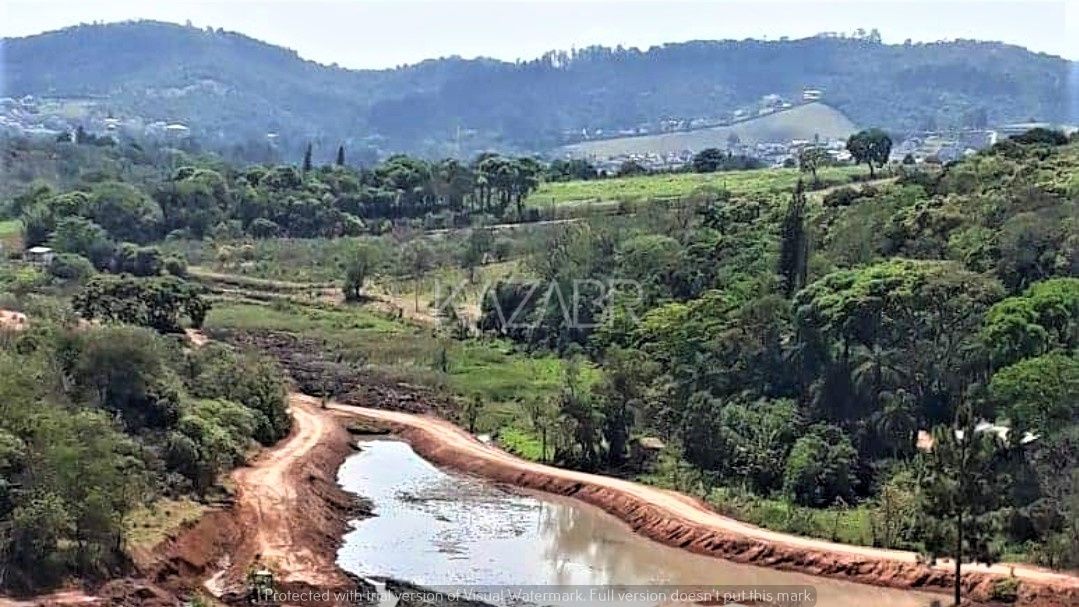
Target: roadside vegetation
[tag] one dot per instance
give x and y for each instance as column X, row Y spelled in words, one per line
column 99, row 424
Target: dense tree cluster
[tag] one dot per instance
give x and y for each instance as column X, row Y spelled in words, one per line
column 158, row 303
column 96, row 218
column 96, row 422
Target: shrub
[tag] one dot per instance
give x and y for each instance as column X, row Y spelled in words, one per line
column 68, row 266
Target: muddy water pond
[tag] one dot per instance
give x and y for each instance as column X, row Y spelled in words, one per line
column 439, row 528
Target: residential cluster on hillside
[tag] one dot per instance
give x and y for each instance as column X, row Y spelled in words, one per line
column 769, row 154
column 767, row 104
column 31, row 115
column 939, row 147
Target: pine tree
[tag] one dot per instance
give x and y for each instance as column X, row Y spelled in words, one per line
column 340, row 155
column 794, row 249
column 307, row 159
column 961, row 487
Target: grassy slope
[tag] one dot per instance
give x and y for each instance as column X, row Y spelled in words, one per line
column 670, row 186
column 801, row 122
column 10, row 233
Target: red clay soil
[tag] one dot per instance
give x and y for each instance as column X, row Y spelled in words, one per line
column 683, row 522
column 289, row 516
column 13, row 321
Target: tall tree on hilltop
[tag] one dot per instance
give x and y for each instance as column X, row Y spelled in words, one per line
column 307, row 159
column 340, row 156
column 794, row 247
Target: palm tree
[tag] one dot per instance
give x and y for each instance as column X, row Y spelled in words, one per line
column 896, row 423
column 875, row 369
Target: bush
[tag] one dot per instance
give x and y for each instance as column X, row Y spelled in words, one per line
column 249, row 379
column 176, row 266
column 841, row 197
column 1005, row 590
column 68, row 266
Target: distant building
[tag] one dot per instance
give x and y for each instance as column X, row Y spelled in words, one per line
column 644, row 451
column 177, row 130
column 39, row 255
column 812, row 95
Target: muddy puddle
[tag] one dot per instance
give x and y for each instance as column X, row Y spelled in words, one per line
column 439, row 528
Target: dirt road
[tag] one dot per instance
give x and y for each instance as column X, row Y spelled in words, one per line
column 276, row 506
column 679, row 520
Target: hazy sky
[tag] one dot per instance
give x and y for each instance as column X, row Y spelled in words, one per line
column 383, row 33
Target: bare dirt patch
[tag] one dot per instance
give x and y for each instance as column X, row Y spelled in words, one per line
column 13, row 321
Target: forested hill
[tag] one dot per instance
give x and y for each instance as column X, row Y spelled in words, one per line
column 230, row 86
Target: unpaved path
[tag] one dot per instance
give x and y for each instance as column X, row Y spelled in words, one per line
column 270, row 502
column 447, row 444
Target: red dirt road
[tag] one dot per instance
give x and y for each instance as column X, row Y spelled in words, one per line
column 281, row 510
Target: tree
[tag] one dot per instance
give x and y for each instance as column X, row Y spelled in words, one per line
column 914, row 321
column 582, row 420
column 357, row 269
column 794, row 245
column 158, row 303
column 194, row 200
column 960, row 488
column 1045, row 317
column 810, row 159
column 123, row 369
column 472, row 411
column 418, row 258
column 820, row 467
column 1040, row 393
column 541, row 414
column 621, row 396
column 708, row 160
column 871, row 146
column 80, row 236
column 306, row 168
column 252, row 380
column 340, row 156
column 125, row 212
column 756, row 438
column 1041, row 136
column 76, row 268
column 480, row 242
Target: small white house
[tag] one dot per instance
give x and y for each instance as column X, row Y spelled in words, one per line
column 39, row 255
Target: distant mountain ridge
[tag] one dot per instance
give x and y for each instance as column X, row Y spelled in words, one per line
column 229, row 87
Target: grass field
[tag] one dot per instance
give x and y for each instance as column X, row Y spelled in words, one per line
column 149, row 525
column 10, row 233
column 675, row 185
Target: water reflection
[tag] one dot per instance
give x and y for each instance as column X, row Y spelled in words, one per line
column 437, row 528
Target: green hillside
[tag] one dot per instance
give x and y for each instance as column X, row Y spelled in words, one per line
column 801, row 122
column 229, row 88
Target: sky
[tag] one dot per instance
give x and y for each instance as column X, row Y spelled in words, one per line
column 387, row 33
